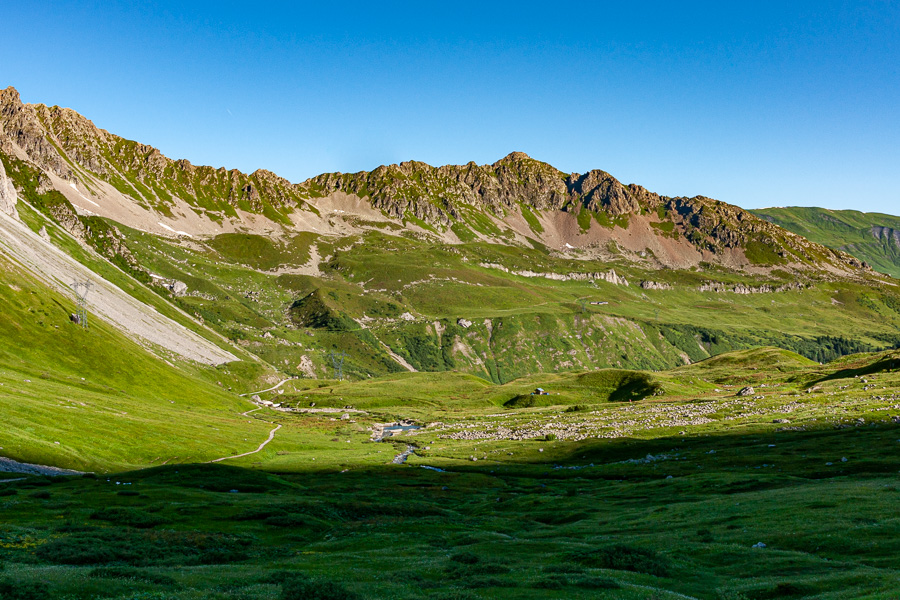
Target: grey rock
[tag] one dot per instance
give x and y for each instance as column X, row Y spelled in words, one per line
column 8, row 195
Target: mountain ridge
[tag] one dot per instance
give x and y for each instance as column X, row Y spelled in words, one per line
column 511, row 201
column 872, row 237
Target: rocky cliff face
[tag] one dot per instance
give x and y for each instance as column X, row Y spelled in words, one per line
column 8, row 196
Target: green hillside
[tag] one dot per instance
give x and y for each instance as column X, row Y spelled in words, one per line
column 92, row 399
column 469, row 308
column 872, row 237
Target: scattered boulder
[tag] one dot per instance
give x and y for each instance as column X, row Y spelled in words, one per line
column 747, row 391
column 464, row 323
column 781, row 421
column 178, row 288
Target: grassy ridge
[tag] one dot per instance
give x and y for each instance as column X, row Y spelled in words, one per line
column 848, row 230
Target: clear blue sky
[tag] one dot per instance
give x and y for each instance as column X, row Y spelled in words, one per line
column 762, row 104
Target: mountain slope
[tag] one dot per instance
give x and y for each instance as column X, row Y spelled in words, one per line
column 88, row 399
column 498, row 270
column 872, row 237
column 510, row 202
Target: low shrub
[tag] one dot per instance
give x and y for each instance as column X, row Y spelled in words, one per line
column 316, row 589
column 129, row 517
column 23, row 590
column 466, row 558
column 259, row 513
column 282, row 577
column 488, row 582
column 625, row 558
column 559, row 581
column 290, row 521
column 454, row 595
column 143, row 548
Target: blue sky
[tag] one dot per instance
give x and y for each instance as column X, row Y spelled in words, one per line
column 760, row 104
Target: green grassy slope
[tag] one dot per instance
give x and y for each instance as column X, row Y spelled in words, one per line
column 95, row 400
column 441, row 309
column 871, row 237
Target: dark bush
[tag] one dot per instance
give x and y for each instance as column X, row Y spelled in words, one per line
column 316, row 589
column 259, row 513
column 36, row 482
column 567, row 568
column 215, row 477
column 40, row 495
column 486, row 582
column 129, row 517
column 559, row 581
column 466, row 558
column 290, row 521
column 454, row 595
column 23, row 590
column 8, row 492
column 625, row 558
column 143, row 548
column 553, row 582
column 282, row 577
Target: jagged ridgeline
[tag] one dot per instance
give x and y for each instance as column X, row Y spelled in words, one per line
column 499, row 270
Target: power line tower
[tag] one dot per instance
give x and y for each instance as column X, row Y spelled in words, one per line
column 580, row 318
column 583, row 302
column 337, row 361
column 81, row 291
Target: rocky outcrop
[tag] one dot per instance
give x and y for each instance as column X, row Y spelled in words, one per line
column 886, row 233
column 8, row 195
column 741, row 288
column 610, row 276
column 655, row 285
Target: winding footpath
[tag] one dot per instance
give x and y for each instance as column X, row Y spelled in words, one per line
column 261, row 446
column 274, row 387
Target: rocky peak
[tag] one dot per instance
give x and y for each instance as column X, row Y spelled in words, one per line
column 598, row 190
